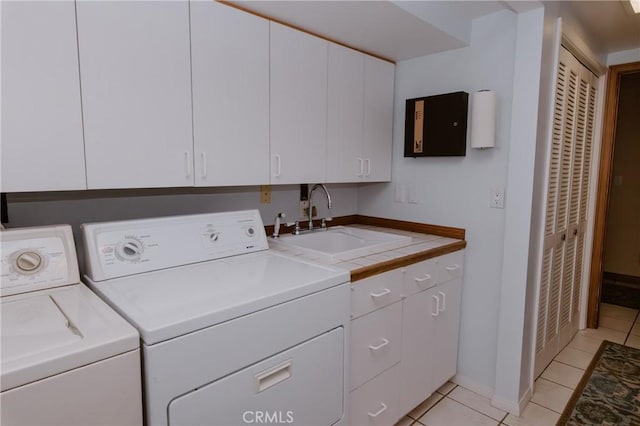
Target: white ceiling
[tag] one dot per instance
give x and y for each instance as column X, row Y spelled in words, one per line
column 611, row 23
column 399, row 30
column 392, row 30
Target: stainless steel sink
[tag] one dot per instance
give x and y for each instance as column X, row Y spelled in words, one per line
column 343, row 242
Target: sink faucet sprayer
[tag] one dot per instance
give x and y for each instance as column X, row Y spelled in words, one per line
column 326, row 192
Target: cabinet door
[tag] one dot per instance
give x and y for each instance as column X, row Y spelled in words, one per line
column 378, row 119
column 376, row 402
column 447, row 331
column 42, row 146
column 298, row 106
column 344, row 126
column 136, row 93
column 230, row 69
column 419, row 315
column 375, row 343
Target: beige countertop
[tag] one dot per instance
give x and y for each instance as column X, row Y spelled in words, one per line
column 422, row 246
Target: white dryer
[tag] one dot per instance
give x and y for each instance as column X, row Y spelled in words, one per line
column 67, row 358
column 232, row 332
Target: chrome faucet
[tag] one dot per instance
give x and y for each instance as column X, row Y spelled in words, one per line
column 326, row 192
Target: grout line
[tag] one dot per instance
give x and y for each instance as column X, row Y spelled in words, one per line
column 475, row 409
column 504, row 418
column 566, row 363
column 428, row 409
column 549, row 380
column 451, row 390
column 632, row 324
column 539, row 405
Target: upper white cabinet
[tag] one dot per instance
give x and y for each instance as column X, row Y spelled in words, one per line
column 360, row 116
column 345, row 162
column 298, row 106
column 136, row 93
column 230, row 72
column 378, row 118
column 42, row 147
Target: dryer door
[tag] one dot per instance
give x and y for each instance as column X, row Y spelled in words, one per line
column 303, row 385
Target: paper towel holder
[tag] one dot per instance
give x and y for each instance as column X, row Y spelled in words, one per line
column 483, row 119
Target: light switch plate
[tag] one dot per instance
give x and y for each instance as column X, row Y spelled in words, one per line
column 497, row 198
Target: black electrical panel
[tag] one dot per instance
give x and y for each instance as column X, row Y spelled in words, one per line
column 436, row 126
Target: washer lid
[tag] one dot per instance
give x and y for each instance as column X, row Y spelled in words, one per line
column 48, row 332
column 176, row 301
column 33, row 325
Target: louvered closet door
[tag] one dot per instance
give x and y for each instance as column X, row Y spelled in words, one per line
column 565, row 209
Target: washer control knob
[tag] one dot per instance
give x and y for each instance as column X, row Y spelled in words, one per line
column 250, row 231
column 28, row 262
column 129, row 249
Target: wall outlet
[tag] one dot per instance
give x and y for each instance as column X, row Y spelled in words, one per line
column 497, row 198
column 304, row 209
column 265, row 194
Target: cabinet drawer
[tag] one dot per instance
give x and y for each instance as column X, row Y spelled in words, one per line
column 375, row 343
column 450, row 266
column 420, row 276
column 375, row 292
column 376, row 402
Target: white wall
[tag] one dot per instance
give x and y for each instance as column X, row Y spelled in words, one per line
column 454, row 191
column 623, row 57
column 79, row 207
column 514, row 345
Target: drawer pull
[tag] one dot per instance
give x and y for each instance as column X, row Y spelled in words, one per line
column 444, row 301
column 437, row 305
column 424, row 278
column 452, row 268
column 273, row 376
column 384, row 343
column 382, row 293
column 380, row 411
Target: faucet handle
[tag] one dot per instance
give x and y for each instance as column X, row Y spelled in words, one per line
column 323, row 223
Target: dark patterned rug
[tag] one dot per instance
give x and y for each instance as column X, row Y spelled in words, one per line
column 609, row 392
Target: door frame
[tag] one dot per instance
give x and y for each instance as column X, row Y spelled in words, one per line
column 603, row 189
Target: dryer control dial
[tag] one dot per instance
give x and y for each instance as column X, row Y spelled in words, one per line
column 130, row 249
column 28, row 262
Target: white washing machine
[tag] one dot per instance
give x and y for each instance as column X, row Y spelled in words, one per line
column 66, row 357
column 232, row 332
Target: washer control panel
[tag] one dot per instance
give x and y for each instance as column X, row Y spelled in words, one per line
column 117, row 249
column 37, row 258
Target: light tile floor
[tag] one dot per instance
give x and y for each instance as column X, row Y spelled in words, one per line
column 453, row 405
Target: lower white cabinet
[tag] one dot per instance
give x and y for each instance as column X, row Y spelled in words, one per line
column 426, row 355
column 418, row 349
column 375, row 343
column 376, row 402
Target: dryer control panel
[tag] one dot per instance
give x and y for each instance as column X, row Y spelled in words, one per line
column 37, row 258
column 117, row 249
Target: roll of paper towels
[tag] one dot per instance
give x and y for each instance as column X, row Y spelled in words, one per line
column 483, row 119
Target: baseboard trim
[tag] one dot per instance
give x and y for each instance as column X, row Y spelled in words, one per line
column 614, row 276
column 472, row 385
column 510, row 406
